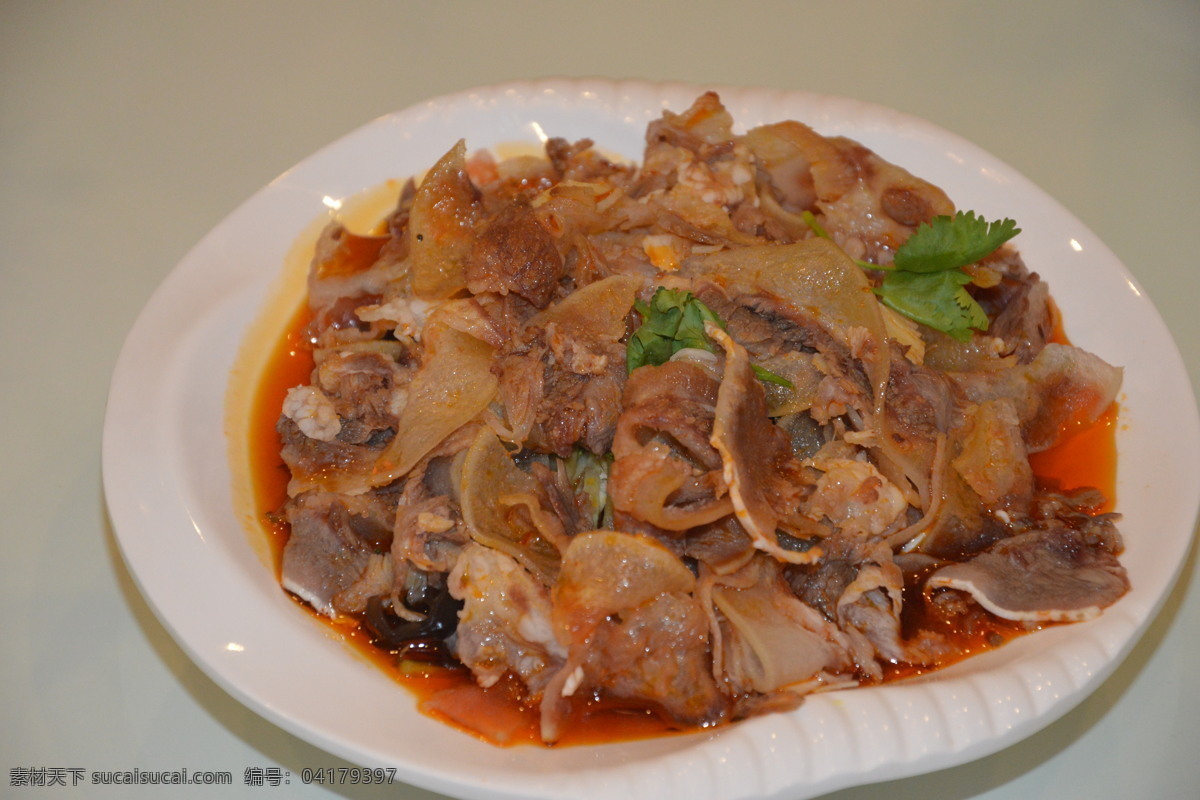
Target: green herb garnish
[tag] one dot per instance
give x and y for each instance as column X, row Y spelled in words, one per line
column 766, row 376
column 674, row 321
column 671, row 321
column 926, row 281
column 936, row 299
column 952, row 242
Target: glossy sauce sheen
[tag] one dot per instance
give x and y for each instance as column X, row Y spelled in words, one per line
column 290, row 364
column 1086, row 459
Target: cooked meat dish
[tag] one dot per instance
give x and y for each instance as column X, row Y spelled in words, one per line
column 687, row 434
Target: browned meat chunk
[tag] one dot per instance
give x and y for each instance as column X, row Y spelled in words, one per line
column 515, row 254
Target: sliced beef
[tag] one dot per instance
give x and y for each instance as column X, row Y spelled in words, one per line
column 665, row 471
column 624, row 604
column 505, row 625
column 332, row 540
column 514, row 253
column 770, row 639
column 576, row 410
column 1025, row 322
column 765, row 479
column 657, row 654
column 1051, row 574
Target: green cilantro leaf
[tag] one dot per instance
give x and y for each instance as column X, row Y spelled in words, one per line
column 672, row 321
column 952, row 242
column 926, row 281
column 936, row 299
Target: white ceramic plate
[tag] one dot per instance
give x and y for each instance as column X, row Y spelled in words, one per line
column 168, row 482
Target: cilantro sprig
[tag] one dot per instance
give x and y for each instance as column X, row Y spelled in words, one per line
column 937, row 299
column 953, row 242
column 673, row 321
column 926, row 281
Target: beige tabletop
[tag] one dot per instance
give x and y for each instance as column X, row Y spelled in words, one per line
column 128, row 129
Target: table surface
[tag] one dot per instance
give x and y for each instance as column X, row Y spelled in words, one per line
column 127, row 130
